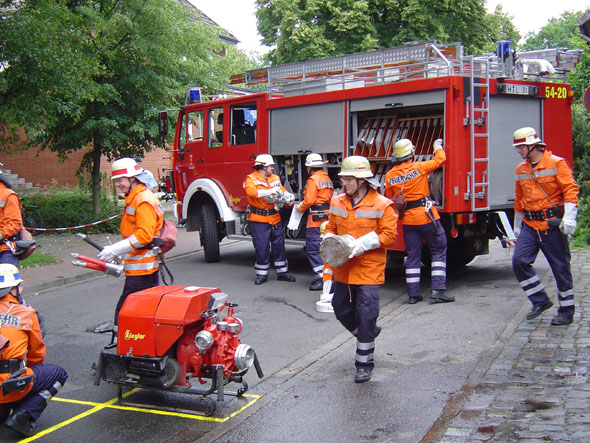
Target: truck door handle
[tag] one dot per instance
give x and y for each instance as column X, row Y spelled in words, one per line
column 201, row 160
column 252, row 157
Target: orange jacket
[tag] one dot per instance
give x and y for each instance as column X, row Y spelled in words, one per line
column 257, row 188
column 373, row 213
column 21, row 327
column 11, row 221
column 142, row 221
column 555, row 176
column 318, row 189
column 415, row 187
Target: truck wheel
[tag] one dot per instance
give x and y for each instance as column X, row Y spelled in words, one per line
column 208, row 233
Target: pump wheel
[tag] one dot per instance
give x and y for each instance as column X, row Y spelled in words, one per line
column 206, row 405
column 208, row 233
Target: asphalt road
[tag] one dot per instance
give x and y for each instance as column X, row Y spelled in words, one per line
column 424, row 357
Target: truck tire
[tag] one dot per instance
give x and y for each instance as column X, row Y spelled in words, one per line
column 208, row 233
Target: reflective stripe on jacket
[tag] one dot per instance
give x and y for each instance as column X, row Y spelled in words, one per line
column 318, row 189
column 554, row 176
column 21, row 327
column 11, row 220
column 373, row 213
column 416, row 186
column 257, row 189
column 142, row 221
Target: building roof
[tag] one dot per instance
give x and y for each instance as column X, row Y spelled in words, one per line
column 225, row 35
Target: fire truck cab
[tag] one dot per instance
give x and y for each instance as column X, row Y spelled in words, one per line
column 362, row 104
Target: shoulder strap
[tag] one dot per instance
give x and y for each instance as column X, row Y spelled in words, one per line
column 541, row 188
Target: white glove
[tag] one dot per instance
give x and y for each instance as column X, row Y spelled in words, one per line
column 326, row 295
column 268, row 192
column 437, row 144
column 517, row 223
column 365, row 243
column 289, row 198
column 568, row 222
column 120, row 248
column 328, row 235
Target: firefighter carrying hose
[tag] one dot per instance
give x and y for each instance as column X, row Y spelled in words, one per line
column 364, row 214
column 265, row 193
column 142, row 221
column 420, row 218
column 27, row 384
column 545, row 198
column 317, row 195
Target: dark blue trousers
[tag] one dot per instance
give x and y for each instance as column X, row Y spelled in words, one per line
column 49, row 379
column 357, row 308
column 8, row 258
column 269, row 239
column 551, row 243
column 312, row 248
column 133, row 284
column 437, row 243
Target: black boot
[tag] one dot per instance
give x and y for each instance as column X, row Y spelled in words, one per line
column 316, row 285
column 22, row 423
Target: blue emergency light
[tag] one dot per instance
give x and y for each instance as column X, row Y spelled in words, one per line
column 503, row 49
column 193, row 96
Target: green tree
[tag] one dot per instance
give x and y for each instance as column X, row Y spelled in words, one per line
column 308, row 29
column 561, row 32
column 500, row 27
column 93, row 73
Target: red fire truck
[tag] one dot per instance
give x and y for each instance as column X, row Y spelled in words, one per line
column 362, row 104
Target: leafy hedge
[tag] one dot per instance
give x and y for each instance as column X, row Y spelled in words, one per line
column 582, row 235
column 68, row 207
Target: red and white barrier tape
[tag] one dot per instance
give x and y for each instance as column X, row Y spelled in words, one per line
column 75, row 227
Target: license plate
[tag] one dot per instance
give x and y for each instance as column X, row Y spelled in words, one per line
column 516, row 89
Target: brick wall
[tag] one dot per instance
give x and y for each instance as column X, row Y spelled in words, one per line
column 46, row 169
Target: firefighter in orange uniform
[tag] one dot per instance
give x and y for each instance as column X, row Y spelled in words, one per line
column 317, row 195
column 27, row 384
column 545, row 198
column 370, row 218
column 263, row 190
column 142, row 221
column 11, row 221
column 420, row 219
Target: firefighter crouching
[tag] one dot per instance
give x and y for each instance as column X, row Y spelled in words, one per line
column 317, row 195
column 364, row 214
column 545, row 198
column 263, row 190
column 26, row 388
column 142, row 220
column 420, row 218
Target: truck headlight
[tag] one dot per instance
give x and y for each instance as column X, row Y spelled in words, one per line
column 203, row 340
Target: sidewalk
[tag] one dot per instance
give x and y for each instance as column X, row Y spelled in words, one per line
column 538, row 387
column 61, row 245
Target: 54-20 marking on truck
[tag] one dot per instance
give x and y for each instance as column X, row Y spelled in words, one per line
column 555, row 92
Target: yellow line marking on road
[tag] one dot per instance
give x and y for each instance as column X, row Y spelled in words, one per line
column 110, row 405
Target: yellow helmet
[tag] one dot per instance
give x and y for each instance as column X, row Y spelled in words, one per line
column 9, row 278
column 125, row 167
column 264, row 160
column 314, row 161
column 356, row 166
column 403, row 149
column 526, row 136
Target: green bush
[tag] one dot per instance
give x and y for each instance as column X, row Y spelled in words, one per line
column 582, row 235
column 69, row 207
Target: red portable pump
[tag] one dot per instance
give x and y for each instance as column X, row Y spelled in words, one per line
column 169, row 335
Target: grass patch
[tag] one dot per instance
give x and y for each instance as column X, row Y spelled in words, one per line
column 37, row 259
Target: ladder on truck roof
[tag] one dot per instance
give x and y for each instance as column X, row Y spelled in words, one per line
column 411, row 61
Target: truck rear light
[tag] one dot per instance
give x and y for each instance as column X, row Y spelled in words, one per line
column 466, row 219
column 454, row 233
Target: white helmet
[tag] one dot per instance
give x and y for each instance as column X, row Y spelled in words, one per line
column 526, row 136
column 403, row 149
column 356, row 166
column 263, row 160
column 314, row 161
column 9, row 278
column 125, row 167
